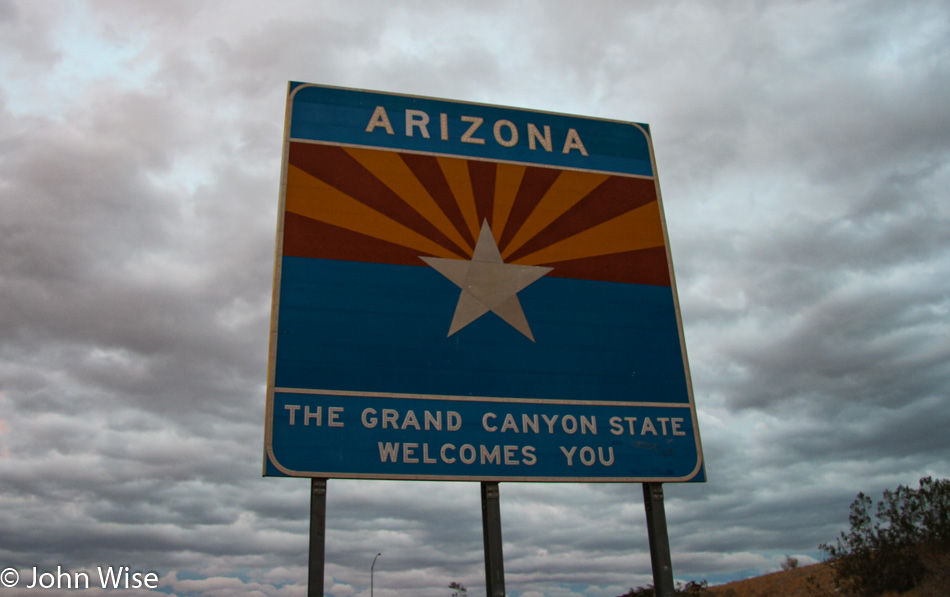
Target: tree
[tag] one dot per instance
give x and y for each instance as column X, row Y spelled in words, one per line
column 790, row 563
column 890, row 544
column 458, row 588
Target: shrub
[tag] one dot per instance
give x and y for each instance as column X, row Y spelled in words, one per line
column 890, row 544
column 694, row 588
column 790, row 563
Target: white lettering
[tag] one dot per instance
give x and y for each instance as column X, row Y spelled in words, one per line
column 60, row 580
column 468, row 453
column 380, row 118
column 408, row 453
column 388, row 452
column 631, row 421
column 491, row 456
column 393, row 419
column 307, row 415
column 615, row 427
column 588, row 424
column 333, row 416
column 418, row 119
column 411, row 421
column 149, row 580
column 505, row 132
column 293, row 408
column 573, row 141
column 390, row 417
column 113, row 577
column 587, row 456
column 569, row 455
column 120, row 577
column 512, row 139
column 446, row 448
column 676, row 427
column 529, row 423
column 527, row 453
column 507, row 455
column 369, row 421
column 534, row 136
column 433, row 421
column 467, row 136
column 571, row 427
column 647, row 427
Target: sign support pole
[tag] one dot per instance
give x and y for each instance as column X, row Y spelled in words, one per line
column 659, row 539
column 491, row 532
column 318, row 533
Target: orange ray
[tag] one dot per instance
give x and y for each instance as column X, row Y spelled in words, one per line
column 507, row 182
column 456, row 174
column 312, row 198
column 632, row 231
column 569, row 188
column 392, row 171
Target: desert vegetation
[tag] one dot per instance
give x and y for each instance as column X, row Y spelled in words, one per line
column 899, row 546
column 895, row 545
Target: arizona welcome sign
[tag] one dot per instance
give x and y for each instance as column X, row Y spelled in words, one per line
column 472, row 292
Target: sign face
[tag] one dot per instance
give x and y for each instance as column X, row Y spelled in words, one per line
column 472, row 292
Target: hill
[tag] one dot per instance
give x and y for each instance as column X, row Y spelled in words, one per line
column 807, row 581
column 816, row 580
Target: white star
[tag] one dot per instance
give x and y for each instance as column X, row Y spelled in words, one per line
column 488, row 284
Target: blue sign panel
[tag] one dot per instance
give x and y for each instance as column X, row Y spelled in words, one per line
column 471, row 292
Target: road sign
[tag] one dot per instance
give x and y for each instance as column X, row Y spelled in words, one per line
column 472, row 292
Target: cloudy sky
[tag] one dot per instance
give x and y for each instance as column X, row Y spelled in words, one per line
column 804, row 155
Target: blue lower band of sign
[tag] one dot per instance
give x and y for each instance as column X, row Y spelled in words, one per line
column 384, row 328
column 355, row 436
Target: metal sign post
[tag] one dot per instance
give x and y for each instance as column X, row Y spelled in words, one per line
column 318, row 536
column 491, row 535
column 659, row 539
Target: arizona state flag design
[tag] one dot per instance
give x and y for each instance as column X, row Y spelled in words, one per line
column 472, row 292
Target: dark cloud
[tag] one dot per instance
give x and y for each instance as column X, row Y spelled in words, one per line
column 802, row 149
